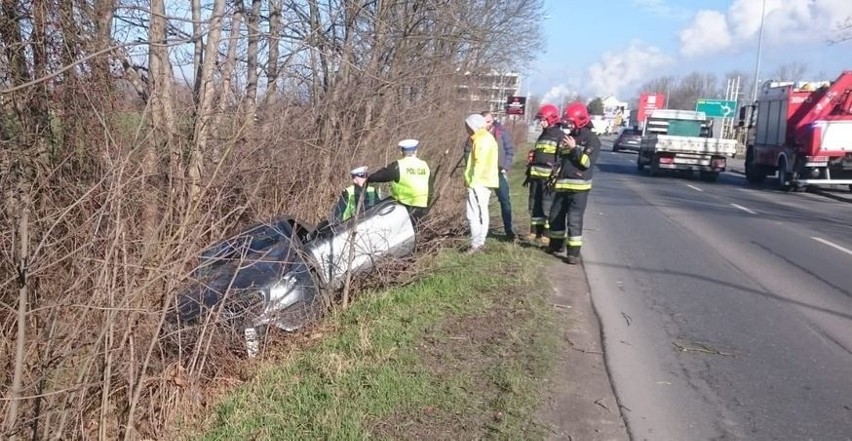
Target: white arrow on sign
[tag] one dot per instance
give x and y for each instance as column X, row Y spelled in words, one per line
column 727, row 110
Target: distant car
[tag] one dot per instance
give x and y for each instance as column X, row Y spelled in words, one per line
column 628, row 139
column 276, row 273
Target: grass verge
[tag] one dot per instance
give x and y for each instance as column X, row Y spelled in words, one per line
column 459, row 354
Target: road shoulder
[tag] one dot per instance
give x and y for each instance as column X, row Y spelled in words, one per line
column 579, row 402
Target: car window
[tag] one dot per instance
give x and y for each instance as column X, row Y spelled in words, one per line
column 250, row 243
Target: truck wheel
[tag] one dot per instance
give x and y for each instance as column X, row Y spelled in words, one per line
column 708, row 176
column 783, row 176
column 754, row 174
column 654, row 170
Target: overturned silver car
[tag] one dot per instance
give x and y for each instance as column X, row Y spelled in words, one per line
column 280, row 272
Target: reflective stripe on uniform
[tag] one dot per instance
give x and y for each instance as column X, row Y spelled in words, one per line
column 560, row 235
column 539, row 171
column 574, row 241
column 546, row 146
column 573, row 184
column 538, row 221
column 585, row 161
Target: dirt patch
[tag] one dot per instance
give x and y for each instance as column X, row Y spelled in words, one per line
column 580, row 403
column 464, row 353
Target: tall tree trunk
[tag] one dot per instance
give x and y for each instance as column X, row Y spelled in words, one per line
column 227, row 78
column 202, row 129
column 250, row 100
column 162, row 121
column 272, row 63
column 197, row 52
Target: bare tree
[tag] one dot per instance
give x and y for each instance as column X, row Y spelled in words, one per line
column 203, row 127
column 792, row 71
column 692, row 87
column 842, row 31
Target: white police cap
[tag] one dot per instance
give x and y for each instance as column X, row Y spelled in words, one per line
column 359, row 171
column 408, row 144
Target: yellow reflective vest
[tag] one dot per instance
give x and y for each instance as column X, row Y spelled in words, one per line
column 412, row 189
column 371, row 197
column 482, row 169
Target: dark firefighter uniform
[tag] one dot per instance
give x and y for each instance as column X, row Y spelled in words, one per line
column 571, row 193
column 539, row 169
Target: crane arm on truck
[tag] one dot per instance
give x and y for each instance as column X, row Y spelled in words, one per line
column 833, row 100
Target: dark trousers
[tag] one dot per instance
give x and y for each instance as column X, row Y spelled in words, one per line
column 505, row 204
column 539, row 206
column 566, row 221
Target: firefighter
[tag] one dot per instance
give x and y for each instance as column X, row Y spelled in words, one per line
column 409, row 179
column 540, row 164
column 350, row 199
column 572, row 182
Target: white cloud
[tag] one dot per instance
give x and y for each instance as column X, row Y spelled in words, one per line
column 557, row 94
column 708, row 33
column 615, row 71
column 785, row 21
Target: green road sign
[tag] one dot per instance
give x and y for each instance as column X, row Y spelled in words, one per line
column 716, row 108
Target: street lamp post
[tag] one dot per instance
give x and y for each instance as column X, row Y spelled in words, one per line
column 759, row 47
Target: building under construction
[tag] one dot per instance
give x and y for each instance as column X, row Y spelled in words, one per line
column 490, row 90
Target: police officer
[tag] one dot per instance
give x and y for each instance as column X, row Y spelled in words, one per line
column 573, row 181
column 540, row 166
column 409, row 179
column 350, row 199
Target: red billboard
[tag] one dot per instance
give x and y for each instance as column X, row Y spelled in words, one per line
column 515, row 105
column 647, row 103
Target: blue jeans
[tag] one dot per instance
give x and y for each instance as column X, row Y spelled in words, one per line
column 505, row 204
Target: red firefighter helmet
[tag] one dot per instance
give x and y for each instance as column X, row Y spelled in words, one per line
column 577, row 114
column 549, row 113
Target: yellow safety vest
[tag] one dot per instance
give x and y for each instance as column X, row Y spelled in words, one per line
column 370, row 199
column 413, row 186
column 481, row 169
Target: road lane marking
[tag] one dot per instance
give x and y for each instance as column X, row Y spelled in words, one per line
column 833, row 245
column 694, row 187
column 747, row 210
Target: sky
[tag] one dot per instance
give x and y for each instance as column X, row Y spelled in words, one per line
column 609, row 48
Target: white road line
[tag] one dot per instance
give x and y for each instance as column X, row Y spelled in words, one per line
column 694, row 187
column 833, row 245
column 747, row 210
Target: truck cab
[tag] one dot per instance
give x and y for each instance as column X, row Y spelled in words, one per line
column 682, row 141
column 801, row 131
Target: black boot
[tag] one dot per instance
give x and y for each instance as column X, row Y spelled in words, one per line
column 573, row 256
column 555, row 246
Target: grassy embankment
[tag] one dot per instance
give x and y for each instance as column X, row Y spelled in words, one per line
column 458, row 354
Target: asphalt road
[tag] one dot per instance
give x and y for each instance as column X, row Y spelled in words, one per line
column 726, row 309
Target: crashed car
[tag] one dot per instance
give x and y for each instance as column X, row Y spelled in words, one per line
column 278, row 272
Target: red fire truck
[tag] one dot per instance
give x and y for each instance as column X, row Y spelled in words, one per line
column 801, row 131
